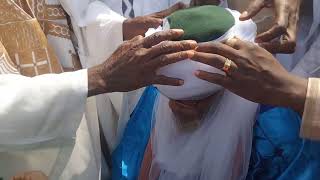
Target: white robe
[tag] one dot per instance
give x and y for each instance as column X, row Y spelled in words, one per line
column 43, row 126
column 98, row 27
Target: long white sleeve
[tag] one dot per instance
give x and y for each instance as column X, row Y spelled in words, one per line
column 98, row 29
column 40, row 109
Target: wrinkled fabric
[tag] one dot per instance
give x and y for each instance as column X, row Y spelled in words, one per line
column 278, row 152
column 219, row 149
column 41, row 116
column 128, row 155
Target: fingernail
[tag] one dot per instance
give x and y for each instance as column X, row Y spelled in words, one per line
column 244, row 14
column 197, row 73
column 178, row 30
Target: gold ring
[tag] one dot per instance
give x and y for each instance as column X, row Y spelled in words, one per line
column 227, row 66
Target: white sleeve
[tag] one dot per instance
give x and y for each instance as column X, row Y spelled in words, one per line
column 42, row 108
column 98, row 29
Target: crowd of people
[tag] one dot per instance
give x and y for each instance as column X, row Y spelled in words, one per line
column 79, row 97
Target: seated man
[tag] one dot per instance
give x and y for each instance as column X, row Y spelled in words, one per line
column 201, row 131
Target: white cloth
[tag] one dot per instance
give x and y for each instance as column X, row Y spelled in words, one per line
column 219, row 149
column 309, row 63
column 99, row 32
column 98, row 27
column 39, row 120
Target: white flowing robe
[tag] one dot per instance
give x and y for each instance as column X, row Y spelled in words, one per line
column 43, row 126
column 98, row 27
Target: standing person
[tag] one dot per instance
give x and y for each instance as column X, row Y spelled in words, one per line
column 43, row 121
column 257, row 76
column 98, row 22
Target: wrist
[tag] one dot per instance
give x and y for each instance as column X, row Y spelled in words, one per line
column 297, row 93
column 96, row 82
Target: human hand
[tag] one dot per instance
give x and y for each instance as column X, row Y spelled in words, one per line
column 140, row 25
column 33, row 175
column 135, row 63
column 204, row 2
column 254, row 74
column 281, row 37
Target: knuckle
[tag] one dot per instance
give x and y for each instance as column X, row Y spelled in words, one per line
column 156, row 36
column 164, row 58
column 165, row 46
column 140, row 53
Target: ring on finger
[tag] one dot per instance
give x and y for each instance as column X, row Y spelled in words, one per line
column 227, row 66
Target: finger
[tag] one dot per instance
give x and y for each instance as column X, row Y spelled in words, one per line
column 137, row 40
column 167, row 59
column 218, row 48
column 214, row 60
column 275, row 32
column 15, row 178
column 153, row 22
column 164, row 80
column 172, row 9
column 286, row 47
column 237, row 43
column 158, row 37
column 214, row 78
column 168, row 47
column 253, row 9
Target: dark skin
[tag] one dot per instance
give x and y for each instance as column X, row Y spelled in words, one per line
column 135, row 63
column 254, row 74
column 140, row 25
column 32, row 175
column 281, row 37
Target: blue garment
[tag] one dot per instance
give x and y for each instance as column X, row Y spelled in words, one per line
column 128, row 155
column 278, row 152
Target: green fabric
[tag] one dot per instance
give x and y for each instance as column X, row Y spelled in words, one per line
column 203, row 23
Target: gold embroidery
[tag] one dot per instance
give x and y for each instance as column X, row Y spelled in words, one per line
column 56, row 29
column 54, row 12
column 26, row 43
column 53, row 22
column 6, row 65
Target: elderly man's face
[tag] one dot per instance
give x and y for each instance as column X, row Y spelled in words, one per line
column 189, row 114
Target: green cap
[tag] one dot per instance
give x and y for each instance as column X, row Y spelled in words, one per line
column 203, row 23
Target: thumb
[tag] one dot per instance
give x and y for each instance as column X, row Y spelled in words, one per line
column 172, row 9
column 255, row 6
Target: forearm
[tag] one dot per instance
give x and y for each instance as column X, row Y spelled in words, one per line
column 296, row 94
